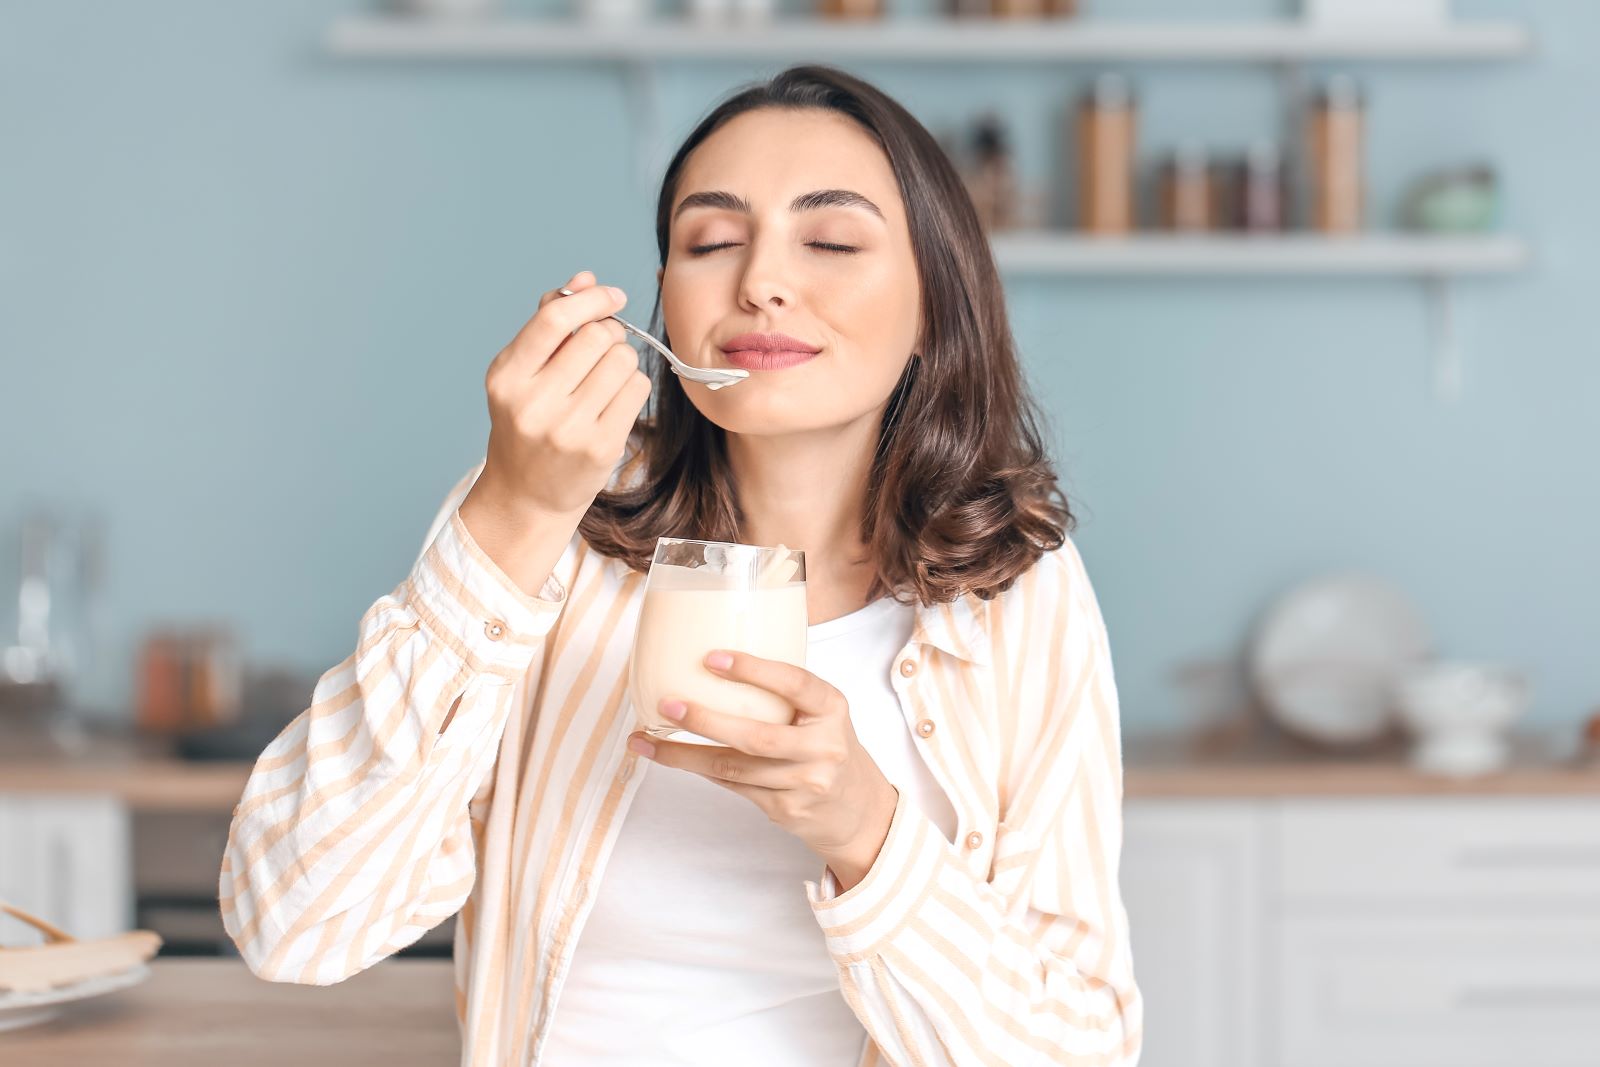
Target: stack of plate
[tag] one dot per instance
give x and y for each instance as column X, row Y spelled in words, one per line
column 1329, row 654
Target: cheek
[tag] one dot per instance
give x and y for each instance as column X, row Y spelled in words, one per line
column 686, row 313
column 878, row 316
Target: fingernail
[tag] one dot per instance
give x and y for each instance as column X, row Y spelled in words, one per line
column 641, row 746
column 616, row 294
column 674, row 709
column 720, row 661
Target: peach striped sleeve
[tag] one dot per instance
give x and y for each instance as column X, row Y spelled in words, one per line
column 1033, row 964
column 353, row 836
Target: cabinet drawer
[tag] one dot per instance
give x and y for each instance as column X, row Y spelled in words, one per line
column 1395, row 992
column 1447, row 850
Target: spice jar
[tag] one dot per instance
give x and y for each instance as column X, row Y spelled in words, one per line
column 1026, row 9
column 1336, row 156
column 160, row 670
column 188, row 679
column 1032, row 9
column 1183, row 191
column 992, row 183
column 1588, row 754
column 214, row 678
column 1250, row 192
column 1107, row 119
column 850, row 9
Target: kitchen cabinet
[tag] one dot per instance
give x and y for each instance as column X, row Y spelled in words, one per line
column 1401, row 987
column 67, row 859
column 1192, row 881
column 1285, row 911
column 1406, row 931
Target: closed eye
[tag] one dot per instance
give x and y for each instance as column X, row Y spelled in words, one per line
column 826, row 246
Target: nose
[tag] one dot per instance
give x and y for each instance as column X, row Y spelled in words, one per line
column 762, row 285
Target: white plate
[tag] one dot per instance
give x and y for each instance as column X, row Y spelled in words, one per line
column 25, row 1009
column 1327, row 656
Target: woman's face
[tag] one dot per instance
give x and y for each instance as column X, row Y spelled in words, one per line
column 755, row 249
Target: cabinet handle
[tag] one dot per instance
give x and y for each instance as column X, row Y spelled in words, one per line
column 1499, row 857
column 1477, row 998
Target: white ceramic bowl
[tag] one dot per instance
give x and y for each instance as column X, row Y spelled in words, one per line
column 1458, row 712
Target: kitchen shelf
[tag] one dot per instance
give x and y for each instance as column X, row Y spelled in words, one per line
column 1434, row 260
column 969, row 40
column 640, row 49
column 1424, row 256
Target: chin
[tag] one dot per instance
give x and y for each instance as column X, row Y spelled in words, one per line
column 755, row 409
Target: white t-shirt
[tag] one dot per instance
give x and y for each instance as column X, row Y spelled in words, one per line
column 701, row 947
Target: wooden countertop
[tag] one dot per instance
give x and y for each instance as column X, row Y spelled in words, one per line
column 209, row 1013
column 150, row 784
column 1175, row 766
column 1155, row 766
column 142, row 770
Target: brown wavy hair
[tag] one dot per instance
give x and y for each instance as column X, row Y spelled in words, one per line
column 961, row 497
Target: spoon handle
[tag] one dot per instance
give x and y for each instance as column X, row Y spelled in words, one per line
column 714, row 379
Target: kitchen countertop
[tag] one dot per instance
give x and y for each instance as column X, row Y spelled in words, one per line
column 215, row 1013
column 1270, row 765
column 1155, row 766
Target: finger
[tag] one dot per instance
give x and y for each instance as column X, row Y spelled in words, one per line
column 577, row 356
column 592, row 395
column 620, row 414
column 554, row 323
column 802, row 689
column 725, row 764
column 582, row 280
column 752, row 737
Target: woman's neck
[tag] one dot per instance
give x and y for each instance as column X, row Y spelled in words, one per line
column 807, row 491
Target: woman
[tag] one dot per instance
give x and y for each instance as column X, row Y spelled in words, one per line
column 921, row 868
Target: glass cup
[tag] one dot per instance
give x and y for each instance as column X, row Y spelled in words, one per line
column 705, row 595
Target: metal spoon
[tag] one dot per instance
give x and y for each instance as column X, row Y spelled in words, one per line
column 709, row 377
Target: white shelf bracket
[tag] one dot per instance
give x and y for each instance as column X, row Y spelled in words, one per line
column 1443, row 339
column 644, row 105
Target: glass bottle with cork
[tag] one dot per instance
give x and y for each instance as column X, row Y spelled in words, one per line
column 1336, row 162
column 1107, row 133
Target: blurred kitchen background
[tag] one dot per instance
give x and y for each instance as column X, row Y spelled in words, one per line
column 1303, row 285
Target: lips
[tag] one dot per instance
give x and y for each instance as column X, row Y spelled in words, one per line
column 767, row 351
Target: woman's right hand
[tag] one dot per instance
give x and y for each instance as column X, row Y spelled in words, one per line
column 563, row 397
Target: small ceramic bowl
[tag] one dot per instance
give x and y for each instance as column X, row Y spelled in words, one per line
column 1458, row 712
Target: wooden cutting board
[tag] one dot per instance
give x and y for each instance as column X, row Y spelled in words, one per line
column 64, row 960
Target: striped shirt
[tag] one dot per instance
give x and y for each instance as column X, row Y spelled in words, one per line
column 363, row 824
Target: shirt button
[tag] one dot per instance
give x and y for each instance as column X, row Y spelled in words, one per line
column 925, row 727
column 974, row 839
column 494, row 629
column 908, row 667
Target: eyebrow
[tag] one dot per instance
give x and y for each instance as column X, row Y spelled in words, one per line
column 812, row 201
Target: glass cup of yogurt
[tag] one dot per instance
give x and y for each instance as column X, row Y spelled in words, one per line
column 704, row 595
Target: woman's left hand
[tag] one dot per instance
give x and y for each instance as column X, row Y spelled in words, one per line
column 811, row 777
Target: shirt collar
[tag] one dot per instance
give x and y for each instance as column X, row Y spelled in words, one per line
column 959, row 627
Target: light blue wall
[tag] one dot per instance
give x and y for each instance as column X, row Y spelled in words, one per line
column 245, row 284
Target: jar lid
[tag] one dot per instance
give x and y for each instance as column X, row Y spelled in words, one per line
column 1340, row 91
column 1111, row 90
